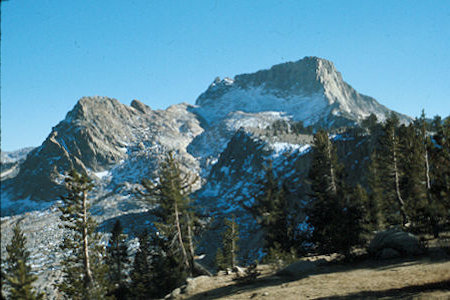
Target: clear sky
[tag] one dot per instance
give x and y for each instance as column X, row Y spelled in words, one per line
column 164, row 52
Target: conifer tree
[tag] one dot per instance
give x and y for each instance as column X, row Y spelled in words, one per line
column 18, row 271
column 2, row 281
column 141, row 273
column 412, row 163
column 168, row 270
column 176, row 218
column 84, row 273
column 353, row 223
column 440, row 171
column 423, row 207
column 389, row 161
column 335, row 211
column 375, row 217
column 274, row 213
column 433, row 208
column 324, row 209
column 226, row 255
column 118, row 261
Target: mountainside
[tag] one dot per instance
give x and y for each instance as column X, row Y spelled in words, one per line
column 98, row 134
column 226, row 138
column 11, row 162
column 310, row 90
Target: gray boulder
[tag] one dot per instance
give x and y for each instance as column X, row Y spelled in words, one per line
column 298, row 268
column 405, row 244
column 388, row 253
column 193, row 283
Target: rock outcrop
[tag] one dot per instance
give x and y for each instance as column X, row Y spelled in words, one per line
column 393, row 243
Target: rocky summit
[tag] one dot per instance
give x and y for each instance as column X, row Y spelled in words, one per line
column 225, row 139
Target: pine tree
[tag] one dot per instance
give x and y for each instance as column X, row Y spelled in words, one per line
column 324, row 209
column 335, row 211
column 141, row 273
column 440, row 171
column 175, row 214
column 413, row 182
column 353, row 223
column 226, row 255
column 2, row 278
column 375, row 217
column 274, row 213
column 389, row 143
column 168, row 270
column 118, row 261
column 18, row 271
column 83, row 268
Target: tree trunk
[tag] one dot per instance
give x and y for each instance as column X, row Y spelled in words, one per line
column 118, row 262
column 400, row 201
column 87, row 266
column 332, row 176
column 191, row 244
column 433, row 219
column 180, row 237
column 233, row 245
column 427, row 171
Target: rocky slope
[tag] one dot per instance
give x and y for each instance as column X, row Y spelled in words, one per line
column 100, row 134
column 311, row 90
column 11, row 162
column 225, row 138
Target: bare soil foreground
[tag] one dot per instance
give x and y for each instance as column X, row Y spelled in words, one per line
column 419, row 278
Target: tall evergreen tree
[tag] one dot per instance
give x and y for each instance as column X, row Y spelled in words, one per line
column 413, row 182
column 18, row 271
column 118, row 261
column 334, row 212
column 227, row 254
column 141, row 273
column 274, row 213
column 168, row 270
column 440, row 171
column 324, row 210
column 2, row 282
column 389, row 161
column 375, row 198
column 176, row 217
column 84, row 273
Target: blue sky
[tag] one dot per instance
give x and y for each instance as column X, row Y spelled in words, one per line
column 164, row 52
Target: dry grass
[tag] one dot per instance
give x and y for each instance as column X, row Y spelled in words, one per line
column 421, row 278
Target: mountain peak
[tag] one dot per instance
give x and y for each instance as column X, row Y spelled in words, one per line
column 305, row 76
column 310, row 90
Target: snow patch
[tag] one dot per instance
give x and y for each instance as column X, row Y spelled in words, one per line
column 258, row 99
column 102, row 174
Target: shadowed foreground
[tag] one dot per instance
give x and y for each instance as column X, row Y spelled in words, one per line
column 405, row 279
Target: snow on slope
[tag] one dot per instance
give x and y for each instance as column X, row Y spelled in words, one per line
column 259, row 100
column 310, row 90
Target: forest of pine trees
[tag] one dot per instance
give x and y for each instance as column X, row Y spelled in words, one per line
column 406, row 184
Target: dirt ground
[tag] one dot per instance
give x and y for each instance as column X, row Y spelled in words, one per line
column 419, row 278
